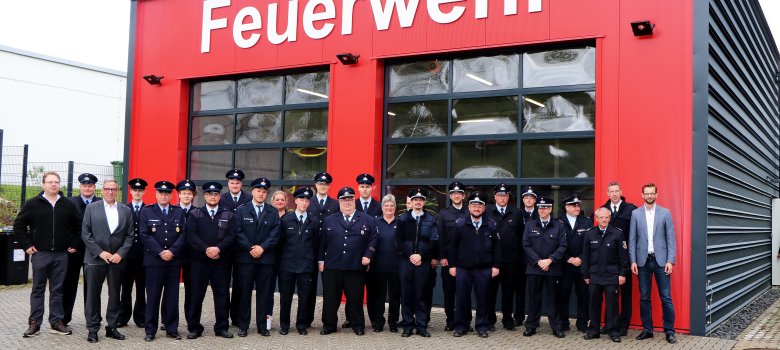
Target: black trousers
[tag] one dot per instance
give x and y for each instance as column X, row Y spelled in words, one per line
column 185, row 279
column 610, row 293
column 415, row 283
column 625, row 303
column 234, row 299
column 448, row 289
column 382, row 286
column 351, row 283
column 71, row 285
column 135, row 274
column 572, row 279
column 47, row 267
column 467, row 280
column 94, row 275
column 162, row 282
column 308, row 315
column 507, row 279
column 252, row 277
column 203, row 273
column 289, row 282
column 536, row 284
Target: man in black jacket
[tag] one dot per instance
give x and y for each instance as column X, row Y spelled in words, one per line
column 365, row 202
column 474, row 258
column 46, row 226
column 575, row 226
column 620, row 217
column 445, row 224
column 136, row 273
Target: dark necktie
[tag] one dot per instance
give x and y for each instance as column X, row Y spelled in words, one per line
column 476, row 225
column 322, row 202
column 86, row 202
column 137, row 208
column 235, row 199
column 259, row 210
column 212, row 213
column 346, row 219
column 300, row 220
column 544, row 224
column 165, row 211
column 502, row 211
column 186, row 210
column 614, row 209
column 365, row 206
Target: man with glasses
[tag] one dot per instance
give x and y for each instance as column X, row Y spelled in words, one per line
column 652, row 251
column 347, row 245
column 47, row 244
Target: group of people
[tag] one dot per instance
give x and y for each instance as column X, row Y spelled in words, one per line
column 355, row 244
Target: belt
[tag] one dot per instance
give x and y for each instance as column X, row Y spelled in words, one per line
column 651, row 255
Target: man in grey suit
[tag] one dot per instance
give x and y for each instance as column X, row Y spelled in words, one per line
column 107, row 231
column 652, row 250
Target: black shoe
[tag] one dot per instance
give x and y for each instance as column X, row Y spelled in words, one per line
column 529, row 332
column 326, row 331
column 558, row 333
column 447, row 328
column 624, row 332
column 162, row 327
column 264, row 332
column 603, row 331
column 492, row 328
column 60, row 328
column 471, row 329
column 121, row 324
column 360, row 332
column 139, row 325
column 224, row 334
column 644, row 335
column 148, row 338
column 193, row 335
column 173, row 335
column 615, row 339
column 483, row 334
column 35, row 329
column 509, row 326
column 92, row 337
column 378, row 330
column 113, row 333
column 283, row 332
column 242, row 333
column 393, row 329
column 346, row 325
column 303, row 332
column 406, row 333
column 458, row 333
column 589, row 336
column 424, row 333
column 670, row 338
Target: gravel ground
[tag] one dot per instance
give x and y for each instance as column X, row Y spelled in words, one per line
column 737, row 323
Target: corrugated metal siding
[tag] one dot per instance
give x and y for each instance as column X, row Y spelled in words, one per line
column 741, row 153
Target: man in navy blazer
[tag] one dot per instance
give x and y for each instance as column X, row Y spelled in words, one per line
column 652, row 249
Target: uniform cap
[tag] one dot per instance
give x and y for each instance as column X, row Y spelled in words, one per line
column 529, row 191
column 234, row 174
column 164, row 186
column 87, row 179
column 502, row 188
column 303, row 192
column 418, row 192
column 544, row 202
column 323, row 177
column 365, row 179
column 186, row 184
column 477, row 198
column 346, row 192
column 573, row 199
column 212, row 186
column 261, row 182
column 456, row 187
column 137, row 184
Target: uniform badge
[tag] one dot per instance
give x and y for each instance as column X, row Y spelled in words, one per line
column 178, row 229
column 154, row 229
column 624, row 245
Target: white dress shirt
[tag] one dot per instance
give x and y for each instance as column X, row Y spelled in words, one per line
column 650, row 218
column 112, row 215
column 572, row 220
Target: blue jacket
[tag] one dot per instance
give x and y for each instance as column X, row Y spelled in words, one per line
column 298, row 245
column 343, row 246
column 472, row 249
column 226, row 200
column 542, row 243
column 387, row 253
column 137, row 250
column 445, row 225
column 162, row 232
column 251, row 230
column 331, row 207
column 204, row 232
column 417, row 238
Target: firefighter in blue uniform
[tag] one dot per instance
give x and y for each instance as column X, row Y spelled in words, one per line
column 322, row 206
column 511, row 279
column 416, row 238
column 256, row 226
column 445, row 224
column 70, row 287
column 365, row 202
column 604, row 268
column 298, row 243
column 474, row 259
column 347, row 245
column 528, row 209
column 210, row 234
column 232, row 199
column 544, row 243
column 135, row 273
column 186, row 190
column 162, row 234
column 575, row 225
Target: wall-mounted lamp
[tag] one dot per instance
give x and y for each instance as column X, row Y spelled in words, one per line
column 347, row 58
column 642, row 28
column 153, row 79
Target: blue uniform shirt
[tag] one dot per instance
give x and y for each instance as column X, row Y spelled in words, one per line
column 342, row 246
column 162, row 232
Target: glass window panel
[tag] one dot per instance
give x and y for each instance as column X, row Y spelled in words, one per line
column 437, row 198
column 484, row 159
column 259, row 163
column 212, row 130
column 417, row 119
column 419, row 78
column 559, row 67
column 259, row 127
column 303, row 163
column 256, row 92
column 489, row 115
column 213, row 95
column 486, row 73
column 210, row 165
column 307, row 88
column 306, row 125
column 562, row 158
column 417, row 161
column 573, row 111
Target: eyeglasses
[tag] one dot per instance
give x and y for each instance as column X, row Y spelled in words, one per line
column 649, row 194
column 52, row 182
column 110, row 189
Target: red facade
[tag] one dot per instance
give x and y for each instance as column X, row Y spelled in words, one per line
column 643, row 86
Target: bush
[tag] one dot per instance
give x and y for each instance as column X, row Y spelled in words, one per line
column 8, row 211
